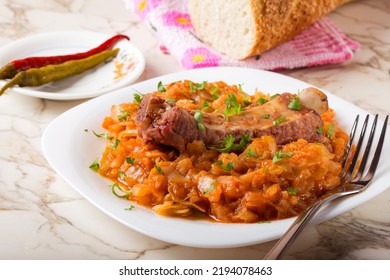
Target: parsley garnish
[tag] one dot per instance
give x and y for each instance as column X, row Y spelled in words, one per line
column 210, row 189
column 130, row 208
column 292, row 191
column 197, row 86
column 138, row 97
column 103, row 135
column 130, row 160
column 330, row 131
column 228, row 143
column 266, row 116
column 251, row 153
column 205, row 105
column 214, row 93
column 226, row 167
column 232, row 106
column 261, row 101
column 192, row 87
column 171, row 100
column 158, row 168
column 279, row 120
column 116, row 143
column 246, row 101
column 279, row 155
column 320, row 130
column 231, row 101
column 124, row 114
column 240, row 87
column 201, row 86
column 160, row 87
column 115, row 187
column 121, row 175
column 295, row 104
column 95, row 165
column 230, row 146
column 198, row 116
column 274, row 96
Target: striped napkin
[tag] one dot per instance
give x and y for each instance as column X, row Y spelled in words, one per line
column 321, row 43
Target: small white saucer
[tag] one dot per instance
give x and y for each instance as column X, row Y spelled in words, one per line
column 126, row 68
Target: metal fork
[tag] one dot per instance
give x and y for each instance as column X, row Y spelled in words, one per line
column 352, row 180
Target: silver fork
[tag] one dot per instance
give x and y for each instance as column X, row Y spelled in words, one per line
column 353, row 182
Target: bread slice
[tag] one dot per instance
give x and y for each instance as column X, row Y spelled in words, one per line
column 243, row 28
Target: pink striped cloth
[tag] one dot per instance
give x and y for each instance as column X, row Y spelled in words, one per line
column 322, row 43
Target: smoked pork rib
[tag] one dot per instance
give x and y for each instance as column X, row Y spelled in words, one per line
column 163, row 122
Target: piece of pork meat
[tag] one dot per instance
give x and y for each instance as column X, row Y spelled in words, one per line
column 163, row 122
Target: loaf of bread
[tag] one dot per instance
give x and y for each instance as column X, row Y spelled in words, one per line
column 243, row 28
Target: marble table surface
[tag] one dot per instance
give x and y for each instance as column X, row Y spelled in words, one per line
column 43, row 217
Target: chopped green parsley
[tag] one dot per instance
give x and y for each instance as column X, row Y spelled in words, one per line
column 138, row 97
column 95, row 165
column 279, row 120
column 121, row 175
column 225, row 167
column 105, row 135
column 124, row 114
column 210, row 189
column 279, row 155
column 160, row 87
column 116, row 143
column 198, row 116
column 251, row 153
column 130, row 160
column 205, row 105
column 261, row 101
column 159, row 169
column 116, row 187
column 214, row 93
column 230, row 146
column 232, row 106
column 330, row 131
column 171, row 100
column 295, row 104
column 292, row 191
column 266, row 116
column 131, row 207
column 197, row 86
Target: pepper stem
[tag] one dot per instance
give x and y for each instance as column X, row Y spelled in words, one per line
column 15, row 81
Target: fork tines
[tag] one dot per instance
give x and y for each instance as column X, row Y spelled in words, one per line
column 352, row 157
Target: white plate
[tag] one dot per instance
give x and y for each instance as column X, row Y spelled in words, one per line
column 120, row 72
column 70, row 150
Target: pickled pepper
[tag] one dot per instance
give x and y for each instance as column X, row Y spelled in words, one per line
column 39, row 76
column 11, row 69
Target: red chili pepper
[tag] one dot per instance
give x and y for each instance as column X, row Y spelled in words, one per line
column 12, row 68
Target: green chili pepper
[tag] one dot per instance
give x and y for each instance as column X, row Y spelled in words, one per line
column 39, row 76
column 12, row 68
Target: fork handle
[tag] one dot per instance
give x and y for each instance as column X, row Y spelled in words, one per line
column 295, row 229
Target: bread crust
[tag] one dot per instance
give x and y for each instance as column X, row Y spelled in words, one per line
column 276, row 21
column 280, row 20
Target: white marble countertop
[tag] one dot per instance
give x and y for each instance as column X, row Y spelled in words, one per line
column 42, row 217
